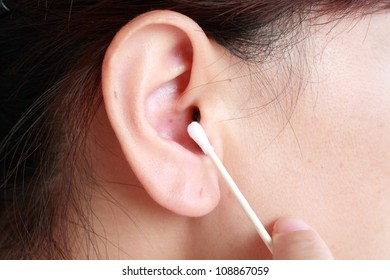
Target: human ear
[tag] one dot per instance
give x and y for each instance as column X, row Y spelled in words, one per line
column 150, row 82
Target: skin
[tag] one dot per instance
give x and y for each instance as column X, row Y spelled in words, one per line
column 321, row 153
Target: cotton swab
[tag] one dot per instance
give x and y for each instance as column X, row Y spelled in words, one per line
column 198, row 134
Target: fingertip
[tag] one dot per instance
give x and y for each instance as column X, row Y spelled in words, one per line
column 293, row 239
column 287, row 224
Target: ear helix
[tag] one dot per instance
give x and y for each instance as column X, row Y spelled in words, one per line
column 197, row 133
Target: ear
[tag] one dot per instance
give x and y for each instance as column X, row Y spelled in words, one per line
column 150, row 79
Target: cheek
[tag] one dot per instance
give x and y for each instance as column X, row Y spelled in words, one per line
column 330, row 164
column 342, row 173
column 353, row 108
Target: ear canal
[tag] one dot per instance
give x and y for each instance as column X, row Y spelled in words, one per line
column 196, row 115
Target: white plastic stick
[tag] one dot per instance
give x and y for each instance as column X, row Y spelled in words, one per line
column 198, row 134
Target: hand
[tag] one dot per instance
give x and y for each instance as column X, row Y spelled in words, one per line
column 292, row 239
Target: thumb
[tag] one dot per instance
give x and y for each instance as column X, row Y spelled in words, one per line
column 292, row 239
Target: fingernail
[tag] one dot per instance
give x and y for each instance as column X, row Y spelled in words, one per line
column 286, row 225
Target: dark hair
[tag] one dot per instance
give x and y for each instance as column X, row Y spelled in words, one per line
column 51, row 56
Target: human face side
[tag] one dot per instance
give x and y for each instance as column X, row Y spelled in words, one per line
column 326, row 161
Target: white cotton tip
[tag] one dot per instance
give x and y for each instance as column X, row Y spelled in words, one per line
column 197, row 133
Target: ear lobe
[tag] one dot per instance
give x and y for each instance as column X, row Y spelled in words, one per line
column 147, row 71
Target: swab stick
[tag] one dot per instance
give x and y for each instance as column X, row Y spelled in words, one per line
column 198, row 134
